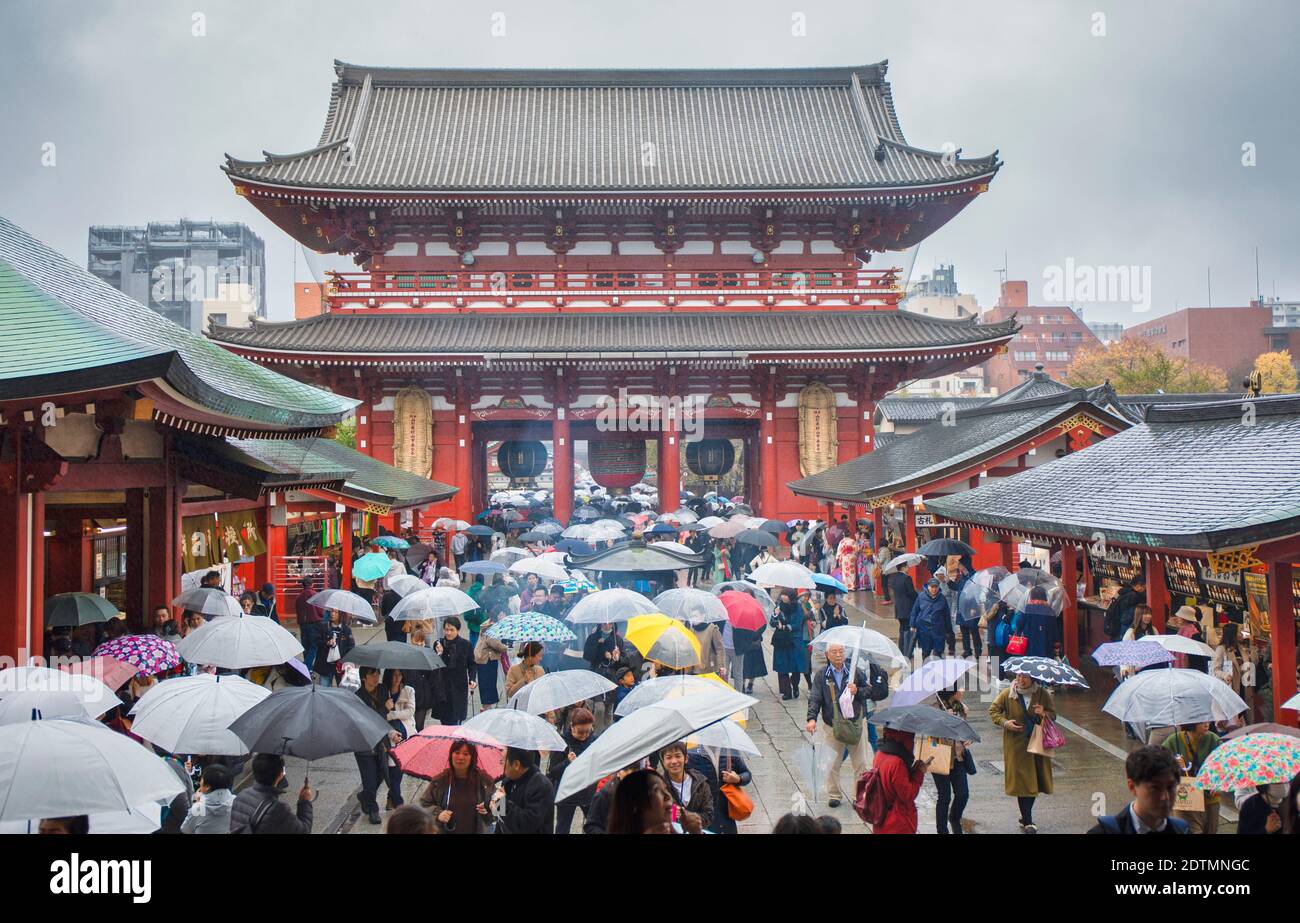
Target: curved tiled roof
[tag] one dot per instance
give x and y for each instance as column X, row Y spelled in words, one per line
column 446, row 130
column 923, row 409
column 728, row 332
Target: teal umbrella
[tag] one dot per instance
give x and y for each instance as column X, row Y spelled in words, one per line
column 391, row 541
column 68, row 610
column 530, row 626
column 371, row 566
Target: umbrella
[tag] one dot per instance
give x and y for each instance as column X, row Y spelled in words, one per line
column 708, row 522
column 573, row 546
column 926, row 720
column 60, row 767
column 687, row 604
column 979, row 594
column 514, row 728
column 942, row 547
column 508, row 556
column 585, row 513
column 208, row 601
column 752, row 590
column 757, row 538
column 433, row 602
column 427, row 755
column 310, row 722
column 862, row 641
column 404, row 585
column 482, row 531
column 743, row 611
column 1015, row 589
column 727, row 737
column 345, row 601
column 674, row 546
column 645, row 732
column 1045, row 670
column 1178, row 644
column 239, row 642
column 1256, row 759
column 193, row 714
column 663, row 640
column 902, row 560
column 530, row 626
column 95, row 696
column 1173, row 696
column 69, row 610
column 142, row 818
column 483, row 567
column 826, row 583
column 662, row 528
column 391, row 541
column 933, row 676
column 785, row 574
column 112, row 672
column 1130, row 654
column 149, row 654
column 452, row 525
column 1292, row 703
column 661, row 688
column 394, row 655
column 534, row 535
column 547, row 570
column 773, row 526
column 417, row 554
column 51, row 703
column 729, row 529
column 371, row 566
column 1267, row 727
column 553, row 691
column 578, row 584
column 613, row 605
column 580, row 531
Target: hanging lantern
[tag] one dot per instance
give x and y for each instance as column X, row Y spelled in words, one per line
column 616, row 464
column 710, row 459
column 521, row 461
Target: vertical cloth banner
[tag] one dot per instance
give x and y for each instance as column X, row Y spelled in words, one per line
column 239, row 535
column 199, row 550
column 330, row 533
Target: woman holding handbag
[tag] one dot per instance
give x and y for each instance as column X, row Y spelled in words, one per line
column 790, row 657
column 953, row 789
column 1017, row 710
column 734, row 804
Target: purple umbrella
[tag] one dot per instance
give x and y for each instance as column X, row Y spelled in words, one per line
column 149, row 654
column 1131, row 654
column 925, row 682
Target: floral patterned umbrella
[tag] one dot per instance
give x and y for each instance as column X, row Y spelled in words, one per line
column 1255, row 759
column 149, row 654
column 1045, row 670
column 530, row 626
column 1131, row 654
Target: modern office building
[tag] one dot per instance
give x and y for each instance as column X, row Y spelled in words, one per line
column 1048, row 338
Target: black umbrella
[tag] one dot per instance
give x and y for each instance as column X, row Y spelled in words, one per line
column 926, row 720
column 71, row 610
column 757, row 537
column 942, row 547
column 417, row 554
column 775, row 526
column 478, row 530
column 534, row 536
column 574, row 546
column 394, row 655
column 310, row 722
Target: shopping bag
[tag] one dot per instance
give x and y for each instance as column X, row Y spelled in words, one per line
column 1189, row 797
column 932, row 747
column 1052, row 736
column 1036, row 743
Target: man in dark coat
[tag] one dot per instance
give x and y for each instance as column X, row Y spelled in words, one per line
column 526, row 803
column 459, row 676
column 930, row 619
column 1041, row 625
column 258, row 809
column 393, row 629
column 1153, row 782
column 903, row 592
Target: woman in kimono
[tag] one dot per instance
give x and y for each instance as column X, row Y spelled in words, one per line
column 846, row 554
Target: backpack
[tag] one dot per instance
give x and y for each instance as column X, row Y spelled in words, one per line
column 1110, row 624
column 869, row 803
column 879, row 684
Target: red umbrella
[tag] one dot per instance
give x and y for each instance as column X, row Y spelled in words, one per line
column 743, row 611
column 427, row 755
column 112, row 672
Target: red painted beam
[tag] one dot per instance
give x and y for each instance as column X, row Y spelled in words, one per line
column 1281, row 615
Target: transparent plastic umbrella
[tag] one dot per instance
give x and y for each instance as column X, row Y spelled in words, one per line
column 687, row 604
column 607, row 606
column 726, row 737
column 1016, row 588
column 1178, row 644
column 239, row 642
column 1172, row 697
column 546, row 570
column 664, row 688
column 786, row 574
column 514, row 728
column 556, row 690
column 508, row 556
column 405, row 585
column 32, row 704
column 207, row 601
column 933, row 676
column 193, row 714
column 437, row 602
column 859, row 641
column 345, row 601
column 902, row 560
column 813, row 760
column 979, row 594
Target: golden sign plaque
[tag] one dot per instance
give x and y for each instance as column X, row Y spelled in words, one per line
column 413, row 432
column 819, row 443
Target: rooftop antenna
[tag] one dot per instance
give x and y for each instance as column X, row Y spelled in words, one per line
column 1259, row 292
column 1209, row 295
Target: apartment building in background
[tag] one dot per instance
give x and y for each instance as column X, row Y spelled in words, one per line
column 1049, row 336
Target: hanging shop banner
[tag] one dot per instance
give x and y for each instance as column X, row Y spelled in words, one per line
column 819, row 443
column 240, row 536
column 331, row 532
column 413, row 432
column 199, row 550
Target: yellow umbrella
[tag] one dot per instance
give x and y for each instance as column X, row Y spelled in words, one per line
column 663, row 640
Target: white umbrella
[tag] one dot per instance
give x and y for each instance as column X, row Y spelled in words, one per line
column 508, row 556
column 860, row 640
column 208, row 601
column 514, row 728
column 61, row 768
column 1171, row 697
column 725, row 736
column 1292, row 703
column 644, row 732
column 239, row 642
column 544, row 569
column 345, row 601
column 95, row 696
column 406, row 585
column 786, row 574
column 436, row 602
column 708, row 522
column 1178, row 644
column 687, row 604
column 580, row 531
column 666, row 688
column 554, row 557
column 192, row 714
column 673, row 546
column 49, row 703
column 143, row 818
column 613, row 605
column 556, row 690
column 902, row 560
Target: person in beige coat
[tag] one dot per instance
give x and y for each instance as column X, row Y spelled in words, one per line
column 713, row 656
column 1026, row 775
column 528, row 668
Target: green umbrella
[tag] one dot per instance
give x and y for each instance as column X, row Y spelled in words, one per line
column 371, row 566
column 68, row 610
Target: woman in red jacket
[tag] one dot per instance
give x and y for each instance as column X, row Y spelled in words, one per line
column 901, row 778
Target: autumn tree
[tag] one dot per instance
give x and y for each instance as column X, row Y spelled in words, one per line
column 1277, row 371
column 1134, row 365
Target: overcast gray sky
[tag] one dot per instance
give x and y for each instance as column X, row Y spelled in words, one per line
column 1120, row 149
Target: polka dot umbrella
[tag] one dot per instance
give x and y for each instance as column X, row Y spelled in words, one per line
column 1255, row 759
column 149, row 654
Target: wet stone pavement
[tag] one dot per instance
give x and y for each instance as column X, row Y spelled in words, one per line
column 1088, row 775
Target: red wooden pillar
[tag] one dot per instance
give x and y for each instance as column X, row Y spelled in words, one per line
column 1157, row 593
column 919, row 573
column 1008, row 554
column 1070, row 615
column 163, row 582
column 830, row 513
column 262, row 563
column 463, row 501
column 20, row 627
column 1281, row 616
column 670, row 470
column 878, row 522
column 277, row 543
column 562, row 467
column 345, row 536
column 137, row 565
column 767, row 475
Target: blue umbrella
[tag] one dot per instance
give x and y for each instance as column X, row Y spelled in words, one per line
column 827, row 582
column 1131, row 654
column 479, row 530
column 573, row 546
column 662, row 528
column 371, row 566
column 391, row 541
column 530, row 626
column 483, row 567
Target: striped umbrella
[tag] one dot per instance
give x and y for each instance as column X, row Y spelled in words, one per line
column 149, row 654
column 530, row 626
column 1255, row 759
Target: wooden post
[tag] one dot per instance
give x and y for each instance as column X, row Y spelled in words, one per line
column 1281, row 616
column 767, row 475
column 878, row 522
column 562, row 468
column 1070, row 615
column 920, row 573
column 1157, row 593
column 17, row 624
column 669, row 475
column 345, row 536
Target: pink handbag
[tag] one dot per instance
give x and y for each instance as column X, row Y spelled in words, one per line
column 1052, row 736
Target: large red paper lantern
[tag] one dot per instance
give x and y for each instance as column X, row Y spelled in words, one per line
column 616, row 464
